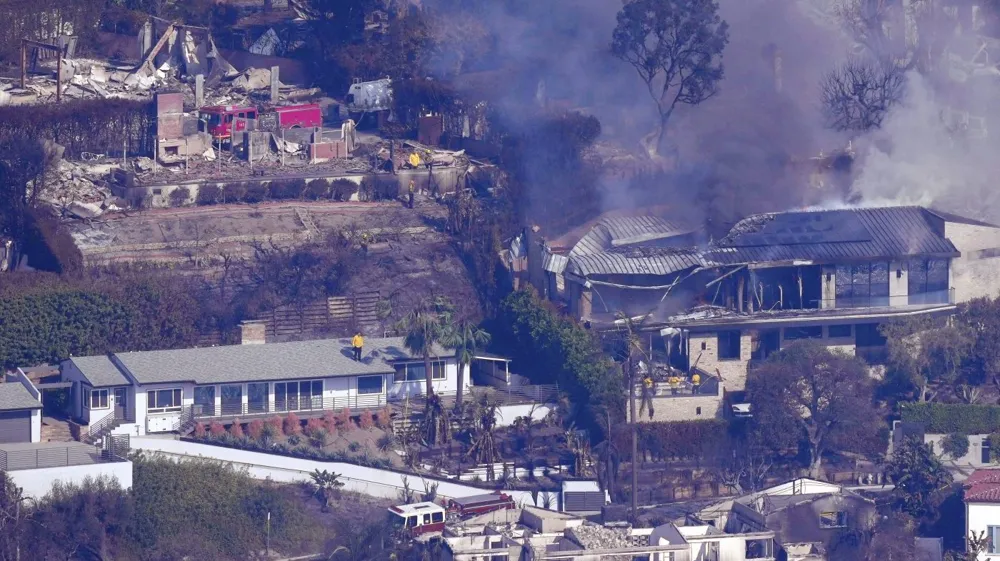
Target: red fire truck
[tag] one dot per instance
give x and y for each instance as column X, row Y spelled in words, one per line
column 220, row 119
column 480, row 504
column 419, row 518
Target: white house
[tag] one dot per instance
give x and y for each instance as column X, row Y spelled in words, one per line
column 982, row 509
column 159, row 391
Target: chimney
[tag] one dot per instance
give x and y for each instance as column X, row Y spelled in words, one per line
column 253, row 333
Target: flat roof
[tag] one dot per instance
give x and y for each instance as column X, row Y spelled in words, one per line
column 581, row 487
column 417, row 508
column 323, row 358
column 14, row 397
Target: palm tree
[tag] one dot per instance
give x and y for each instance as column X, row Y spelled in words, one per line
column 467, row 339
column 326, row 485
column 426, row 326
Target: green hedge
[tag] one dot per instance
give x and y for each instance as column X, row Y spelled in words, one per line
column 682, row 439
column 945, row 418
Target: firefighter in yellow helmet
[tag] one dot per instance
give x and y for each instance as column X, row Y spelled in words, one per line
column 358, row 343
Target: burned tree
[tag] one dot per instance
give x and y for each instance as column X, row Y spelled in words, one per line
column 676, row 47
column 858, row 95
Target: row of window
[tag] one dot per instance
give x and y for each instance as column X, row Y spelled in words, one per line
column 287, row 395
column 729, row 341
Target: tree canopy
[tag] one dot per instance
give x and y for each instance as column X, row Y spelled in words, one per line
column 918, row 476
column 676, row 47
column 806, row 394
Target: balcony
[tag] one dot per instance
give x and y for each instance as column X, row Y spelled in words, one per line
column 933, row 298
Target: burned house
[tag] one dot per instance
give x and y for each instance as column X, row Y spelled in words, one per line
column 718, row 307
column 806, row 516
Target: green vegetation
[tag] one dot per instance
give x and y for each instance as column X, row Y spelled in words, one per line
column 919, row 478
column 955, row 445
column 548, row 347
column 946, row 418
column 195, row 510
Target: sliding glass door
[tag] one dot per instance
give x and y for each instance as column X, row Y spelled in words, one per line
column 298, row 396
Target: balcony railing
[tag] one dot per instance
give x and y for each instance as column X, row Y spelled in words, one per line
column 683, row 388
column 353, row 402
column 937, row 297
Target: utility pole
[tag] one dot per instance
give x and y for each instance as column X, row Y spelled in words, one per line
column 267, row 539
column 635, row 428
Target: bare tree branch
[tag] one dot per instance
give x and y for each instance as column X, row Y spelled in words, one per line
column 857, row 95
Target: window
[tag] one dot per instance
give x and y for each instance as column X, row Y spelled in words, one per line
column 369, row 385
column 157, row 191
column 927, row 281
column 993, row 539
column 427, row 519
column 697, row 410
column 437, row 517
column 292, row 396
column 414, row 372
column 411, row 521
column 257, row 397
column 98, row 399
column 163, row 401
column 759, row 549
column 840, row 331
column 863, row 284
column 792, row 333
column 204, row 396
column 729, row 345
column 837, row 519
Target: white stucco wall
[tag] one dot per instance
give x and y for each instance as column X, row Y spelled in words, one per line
column 973, row 274
column 38, row 482
column 978, row 516
column 367, row 480
column 36, row 425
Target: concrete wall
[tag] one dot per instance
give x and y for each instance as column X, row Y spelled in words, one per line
column 38, row 482
column 979, row 516
column 367, row 480
column 973, row 458
column 974, row 273
column 703, row 348
column 681, row 408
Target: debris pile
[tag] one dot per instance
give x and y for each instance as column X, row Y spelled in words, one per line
column 592, row 536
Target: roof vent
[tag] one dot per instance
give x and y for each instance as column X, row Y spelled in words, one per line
column 253, row 333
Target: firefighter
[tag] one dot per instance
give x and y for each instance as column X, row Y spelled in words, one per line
column 410, row 195
column 366, row 238
column 696, row 380
column 648, row 389
column 358, row 343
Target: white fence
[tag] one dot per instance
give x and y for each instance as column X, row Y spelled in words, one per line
column 362, row 479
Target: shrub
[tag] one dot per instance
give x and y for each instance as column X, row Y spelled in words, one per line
column 209, row 195
column 314, row 425
column 287, row 189
column 354, row 447
column 678, row 440
column 344, row 423
column 233, row 192
column 342, row 189
column 366, row 420
column 255, row 193
column 955, row 445
column 255, row 429
column 216, row 429
column 316, row 189
column 268, row 432
column 292, row 425
column 294, row 439
column 276, row 423
column 318, row 438
column 330, row 420
column 199, row 430
column 384, row 418
column 948, row 418
column 180, row 196
column 236, row 429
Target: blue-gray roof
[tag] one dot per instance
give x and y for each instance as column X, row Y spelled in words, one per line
column 824, row 236
column 272, row 361
column 99, row 371
column 14, row 396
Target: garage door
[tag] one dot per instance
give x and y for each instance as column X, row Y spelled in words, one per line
column 15, row 426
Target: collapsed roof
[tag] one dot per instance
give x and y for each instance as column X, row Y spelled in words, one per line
column 653, row 246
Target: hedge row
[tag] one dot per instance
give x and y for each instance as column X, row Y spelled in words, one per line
column 946, row 418
column 682, row 439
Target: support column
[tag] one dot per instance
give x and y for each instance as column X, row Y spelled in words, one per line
column 274, row 83
column 199, row 91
